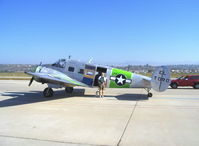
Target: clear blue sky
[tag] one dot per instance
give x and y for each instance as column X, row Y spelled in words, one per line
column 110, row 31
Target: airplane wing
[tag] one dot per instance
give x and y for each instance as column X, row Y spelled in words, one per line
column 60, row 79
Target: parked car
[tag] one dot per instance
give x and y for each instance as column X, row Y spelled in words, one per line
column 190, row 80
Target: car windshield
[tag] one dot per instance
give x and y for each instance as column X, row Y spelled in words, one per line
column 60, row 63
column 180, row 77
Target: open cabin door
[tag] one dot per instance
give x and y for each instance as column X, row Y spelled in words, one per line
column 98, row 73
column 89, row 75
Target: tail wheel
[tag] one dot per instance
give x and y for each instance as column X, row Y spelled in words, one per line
column 196, row 86
column 174, row 86
column 69, row 89
column 48, row 92
column 148, row 91
column 149, row 94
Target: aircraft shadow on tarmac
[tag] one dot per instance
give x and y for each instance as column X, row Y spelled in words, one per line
column 21, row 98
column 132, row 97
column 183, row 88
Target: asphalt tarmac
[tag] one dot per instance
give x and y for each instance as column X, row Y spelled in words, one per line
column 123, row 117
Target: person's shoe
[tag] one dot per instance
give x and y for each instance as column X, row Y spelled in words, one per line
column 100, row 96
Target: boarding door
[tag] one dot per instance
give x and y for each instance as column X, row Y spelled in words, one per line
column 89, row 75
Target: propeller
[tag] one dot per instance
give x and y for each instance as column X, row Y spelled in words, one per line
column 31, row 80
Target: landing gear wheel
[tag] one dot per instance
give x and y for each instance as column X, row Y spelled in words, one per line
column 48, row 92
column 149, row 94
column 148, row 91
column 69, row 89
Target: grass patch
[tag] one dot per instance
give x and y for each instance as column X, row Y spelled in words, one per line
column 173, row 75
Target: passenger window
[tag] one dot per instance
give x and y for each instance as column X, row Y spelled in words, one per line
column 71, row 69
column 195, row 77
column 81, row 71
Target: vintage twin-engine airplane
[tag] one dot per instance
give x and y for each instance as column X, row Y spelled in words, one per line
column 70, row 73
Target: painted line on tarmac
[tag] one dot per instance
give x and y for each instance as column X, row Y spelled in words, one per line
column 131, row 117
column 176, row 98
column 54, row 141
column 188, row 107
column 8, row 82
column 11, row 94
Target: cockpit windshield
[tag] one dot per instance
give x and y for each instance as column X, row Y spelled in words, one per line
column 60, row 63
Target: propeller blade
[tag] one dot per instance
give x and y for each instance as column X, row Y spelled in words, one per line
column 31, row 80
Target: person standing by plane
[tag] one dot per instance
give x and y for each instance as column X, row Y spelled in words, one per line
column 101, row 84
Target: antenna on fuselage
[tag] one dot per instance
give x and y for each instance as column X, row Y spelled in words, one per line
column 90, row 60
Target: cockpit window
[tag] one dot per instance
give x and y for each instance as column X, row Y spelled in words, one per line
column 60, row 63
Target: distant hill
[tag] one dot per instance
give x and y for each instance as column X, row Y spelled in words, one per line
column 133, row 68
column 174, row 68
column 16, row 67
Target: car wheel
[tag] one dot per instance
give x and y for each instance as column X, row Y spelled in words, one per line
column 174, row 86
column 196, row 86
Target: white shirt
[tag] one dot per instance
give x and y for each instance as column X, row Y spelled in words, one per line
column 100, row 78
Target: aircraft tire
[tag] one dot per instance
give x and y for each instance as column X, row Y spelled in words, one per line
column 69, row 89
column 149, row 94
column 48, row 92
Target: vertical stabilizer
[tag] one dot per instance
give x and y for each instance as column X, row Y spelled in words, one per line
column 160, row 79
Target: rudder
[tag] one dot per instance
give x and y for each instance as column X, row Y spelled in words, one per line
column 160, row 79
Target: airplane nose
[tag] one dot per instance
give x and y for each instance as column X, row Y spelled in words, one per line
column 38, row 68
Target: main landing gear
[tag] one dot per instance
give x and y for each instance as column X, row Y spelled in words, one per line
column 48, row 92
column 149, row 93
column 69, row 89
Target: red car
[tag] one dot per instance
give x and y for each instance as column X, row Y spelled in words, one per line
column 190, row 80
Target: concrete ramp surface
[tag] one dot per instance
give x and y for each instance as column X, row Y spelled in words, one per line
column 123, row 117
